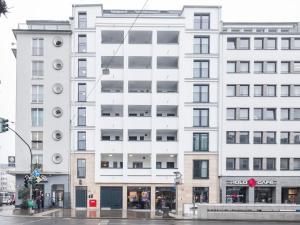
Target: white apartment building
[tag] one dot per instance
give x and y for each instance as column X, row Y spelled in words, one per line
column 260, row 128
column 116, row 102
column 43, row 107
column 134, row 125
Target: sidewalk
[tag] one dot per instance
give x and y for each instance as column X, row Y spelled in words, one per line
column 10, row 210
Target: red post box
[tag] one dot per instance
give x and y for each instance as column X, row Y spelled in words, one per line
column 92, row 203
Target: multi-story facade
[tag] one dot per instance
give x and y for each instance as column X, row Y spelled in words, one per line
column 7, row 181
column 43, row 107
column 123, row 100
column 260, row 128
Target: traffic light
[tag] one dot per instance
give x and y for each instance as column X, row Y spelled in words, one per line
column 33, row 182
column 26, row 181
column 3, row 125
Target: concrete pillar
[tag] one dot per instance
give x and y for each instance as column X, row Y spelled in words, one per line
column 179, row 200
column 152, row 199
column 277, row 194
column 124, row 202
column 251, row 195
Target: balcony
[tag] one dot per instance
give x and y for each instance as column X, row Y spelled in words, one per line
column 139, row 86
column 166, row 164
column 167, row 87
column 139, row 164
column 139, row 111
column 112, row 110
column 110, row 86
column 166, row 135
column 111, row 135
column 111, row 164
column 139, row 135
column 166, row 111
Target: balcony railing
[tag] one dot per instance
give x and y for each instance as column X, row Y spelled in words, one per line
column 24, row 26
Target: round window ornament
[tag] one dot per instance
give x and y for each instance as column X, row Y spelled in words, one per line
column 57, row 88
column 58, row 41
column 57, row 135
column 57, row 158
column 57, row 112
column 58, row 64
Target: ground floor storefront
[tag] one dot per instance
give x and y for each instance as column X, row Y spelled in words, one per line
column 276, row 190
column 53, row 191
column 126, row 196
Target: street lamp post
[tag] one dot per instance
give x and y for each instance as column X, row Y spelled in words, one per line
column 30, row 170
column 177, row 181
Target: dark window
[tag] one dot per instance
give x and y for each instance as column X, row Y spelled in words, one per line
column 81, row 144
column 82, row 92
column 82, row 43
column 201, row 69
column 201, row 93
column 257, row 163
column 170, row 165
column 201, row 194
column 82, row 20
column 200, row 169
column 200, row 142
column 230, row 137
column 284, row 164
column 81, row 116
column 200, row 117
column 82, row 65
column 201, row 21
column 271, row 163
column 244, row 164
column 81, row 168
column 201, row 45
column 230, row 163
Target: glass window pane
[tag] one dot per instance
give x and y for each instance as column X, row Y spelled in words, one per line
column 258, row 90
column 257, row 163
column 244, row 137
column 258, row 43
column 285, row 90
column 230, row 163
column 284, row 138
column 231, row 137
column 244, row 114
column 271, row 90
column 258, row 67
column 231, row 114
column 244, row 67
column 231, row 67
column 231, row 89
column 285, row 67
column 244, row 90
column 296, row 91
column 257, row 138
column 271, row 137
column 285, row 43
column 271, row 43
column 231, row 43
column 271, row 67
column 244, row 43
column 258, row 114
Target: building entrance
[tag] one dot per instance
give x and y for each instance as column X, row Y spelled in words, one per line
column 139, row 197
column 165, row 197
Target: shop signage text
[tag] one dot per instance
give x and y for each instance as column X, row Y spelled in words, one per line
column 252, row 182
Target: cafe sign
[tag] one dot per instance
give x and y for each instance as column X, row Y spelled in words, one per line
column 252, row 182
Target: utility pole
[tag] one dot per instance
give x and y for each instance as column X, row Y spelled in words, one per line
column 5, row 127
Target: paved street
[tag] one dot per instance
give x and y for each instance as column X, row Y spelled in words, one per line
column 67, row 221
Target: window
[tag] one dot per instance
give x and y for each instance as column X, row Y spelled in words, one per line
column 81, row 140
column 200, row 142
column 285, row 67
column 167, row 37
column 231, row 114
column 201, row 45
column 257, row 137
column 37, row 93
column 140, row 37
column 201, row 21
column 237, row 137
column 82, row 92
column 37, row 46
column 113, row 62
column 244, row 90
column 231, row 90
column 258, row 43
column 257, row 163
column 82, row 68
column 81, row 168
column 201, row 69
column 201, row 93
column 258, row 67
column 271, row 163
column 244, row 67
column 296, row 137
column 244, row 43
column 271, row 137
column 37, row 69
column 284, row 164
column 244, row 137
column 270, row 90
column 296, row 67
column 285, row 43
column 264, row 113
column 82, row 20
column 258, row 90
column 244, row 164
column 37, row 140
column 244, row 114
column 230, row 164
column 37, row 162
column 200, row 117
column 82, row 116
column 238, row 43
column 296, row 91
column 265, row 90
column 112, row 37
column 284, row 137
column 82, row 43
column 37, row 117
column 200, row 169
column 290, row 114
column 231, row 67
column 271, row 43
column 170, row 165
column 270, row 67
column 296, row 163
column 201, row 194
column 158, row 165
column 137, row 165
column 231, row 43
column 296, row 43
column 231, row 137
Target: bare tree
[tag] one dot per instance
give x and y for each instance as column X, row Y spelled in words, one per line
column 3, row 7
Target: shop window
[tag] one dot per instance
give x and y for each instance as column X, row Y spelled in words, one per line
column 237, row 194
column 139, row 197
column 264, row 195
column 201, row 194
column 290, row 195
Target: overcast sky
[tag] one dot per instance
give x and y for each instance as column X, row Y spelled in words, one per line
column 22, row 10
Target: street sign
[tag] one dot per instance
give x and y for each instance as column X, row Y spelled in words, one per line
column 36, row 173
column 11, row 161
